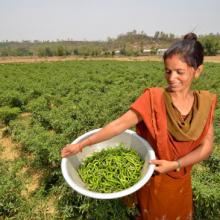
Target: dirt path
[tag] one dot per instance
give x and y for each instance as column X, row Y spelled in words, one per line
column 70, row 58
column 9, row 151
column 215, row 59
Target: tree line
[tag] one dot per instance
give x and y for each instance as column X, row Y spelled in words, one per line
column 129, row 44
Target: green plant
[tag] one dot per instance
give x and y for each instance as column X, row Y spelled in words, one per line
column 66, row 99
column 7, row 114
column 75, row 206
column 206, row 196
column 211, row 46
column 10, row 187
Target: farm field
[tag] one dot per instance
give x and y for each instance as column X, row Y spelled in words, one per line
column 45, row 105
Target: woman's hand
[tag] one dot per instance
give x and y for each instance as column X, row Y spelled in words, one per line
column 164, row 166
column 127, row 120
column 70, row 149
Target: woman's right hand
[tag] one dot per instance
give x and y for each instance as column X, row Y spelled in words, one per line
column 70, row 149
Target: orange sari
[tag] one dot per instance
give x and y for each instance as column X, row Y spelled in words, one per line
column 165, row 196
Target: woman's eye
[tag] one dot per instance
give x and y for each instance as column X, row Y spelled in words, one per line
column 180, row 72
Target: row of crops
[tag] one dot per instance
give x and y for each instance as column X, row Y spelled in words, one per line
column 44, row 106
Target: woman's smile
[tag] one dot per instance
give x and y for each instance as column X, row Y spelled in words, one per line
column 178, row 74
column 176, row 84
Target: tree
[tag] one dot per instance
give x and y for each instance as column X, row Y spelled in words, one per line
column 156, row 35
column 76, row 51
column 211, row 47
column 45, row 52
column 23, row 52
column 48, row 52
column 60, row 51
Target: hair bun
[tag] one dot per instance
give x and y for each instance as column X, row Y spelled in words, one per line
column 190, row 36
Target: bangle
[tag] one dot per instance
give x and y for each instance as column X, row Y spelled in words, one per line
column 179, row 166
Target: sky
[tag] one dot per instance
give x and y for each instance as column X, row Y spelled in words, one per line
column 100, row 19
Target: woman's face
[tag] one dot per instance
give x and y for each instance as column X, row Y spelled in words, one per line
column 178, row 74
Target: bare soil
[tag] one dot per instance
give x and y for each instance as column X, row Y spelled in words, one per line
column 32, row 183
column 71, row 58
column 32, row 178
column 10, row 150
column 215, row 59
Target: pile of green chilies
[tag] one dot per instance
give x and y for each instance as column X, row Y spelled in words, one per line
column 111, row 170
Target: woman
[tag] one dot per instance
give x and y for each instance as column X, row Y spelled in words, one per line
column 178, row 123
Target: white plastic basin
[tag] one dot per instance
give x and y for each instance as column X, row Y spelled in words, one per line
column 70, row 164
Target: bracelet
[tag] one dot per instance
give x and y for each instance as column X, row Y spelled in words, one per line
column 179, row 166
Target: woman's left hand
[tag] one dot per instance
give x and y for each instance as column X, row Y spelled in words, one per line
column 164, row 166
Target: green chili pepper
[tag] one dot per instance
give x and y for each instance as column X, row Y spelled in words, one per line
column 111, row 170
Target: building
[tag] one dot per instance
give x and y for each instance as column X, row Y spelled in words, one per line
column 160, row 52
column 147, row 52
column 117, row 52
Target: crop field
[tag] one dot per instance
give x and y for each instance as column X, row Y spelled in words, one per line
column 44, row 106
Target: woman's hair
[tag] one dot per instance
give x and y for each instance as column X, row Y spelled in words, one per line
column 189, row 49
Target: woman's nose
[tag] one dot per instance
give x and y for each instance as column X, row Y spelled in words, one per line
column 172, row 76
